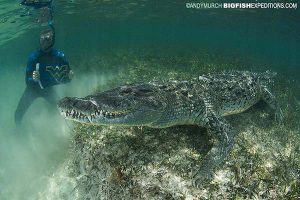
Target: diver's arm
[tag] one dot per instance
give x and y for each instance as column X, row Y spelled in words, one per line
column 70, row 73
column 29, row 72
column 32, row 76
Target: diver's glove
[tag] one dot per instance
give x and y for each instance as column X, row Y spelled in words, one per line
column 71, row 75
column 36, row 76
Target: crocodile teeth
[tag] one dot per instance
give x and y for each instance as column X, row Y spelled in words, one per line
column 89, row 118
column 98, row 113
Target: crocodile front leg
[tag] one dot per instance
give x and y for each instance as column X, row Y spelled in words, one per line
column 270, row 99
column 223, row 143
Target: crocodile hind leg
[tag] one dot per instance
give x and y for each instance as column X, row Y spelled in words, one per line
column 223, row 143
column 270, row 99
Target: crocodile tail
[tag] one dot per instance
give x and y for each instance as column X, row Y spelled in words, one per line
column 267, row 77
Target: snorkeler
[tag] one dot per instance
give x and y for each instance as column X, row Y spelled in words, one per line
column 46, row 67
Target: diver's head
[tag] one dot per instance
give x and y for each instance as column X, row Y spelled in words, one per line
column 47, row 39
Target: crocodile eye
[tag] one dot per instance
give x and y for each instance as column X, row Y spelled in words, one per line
column 145, row 90
column 125, row 90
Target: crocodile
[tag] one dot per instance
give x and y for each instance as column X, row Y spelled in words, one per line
column 202, row 101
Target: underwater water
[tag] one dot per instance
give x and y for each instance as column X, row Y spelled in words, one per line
column 102, row 41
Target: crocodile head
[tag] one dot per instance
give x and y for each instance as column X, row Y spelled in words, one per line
column 131, row 105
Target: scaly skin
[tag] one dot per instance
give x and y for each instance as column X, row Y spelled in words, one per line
column 203, row 101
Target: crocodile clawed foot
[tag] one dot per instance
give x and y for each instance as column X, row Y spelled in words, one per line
column 201, row 179
column 279, row 116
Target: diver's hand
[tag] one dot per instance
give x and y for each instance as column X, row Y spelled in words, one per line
column 71, row 74
column 36, row 75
